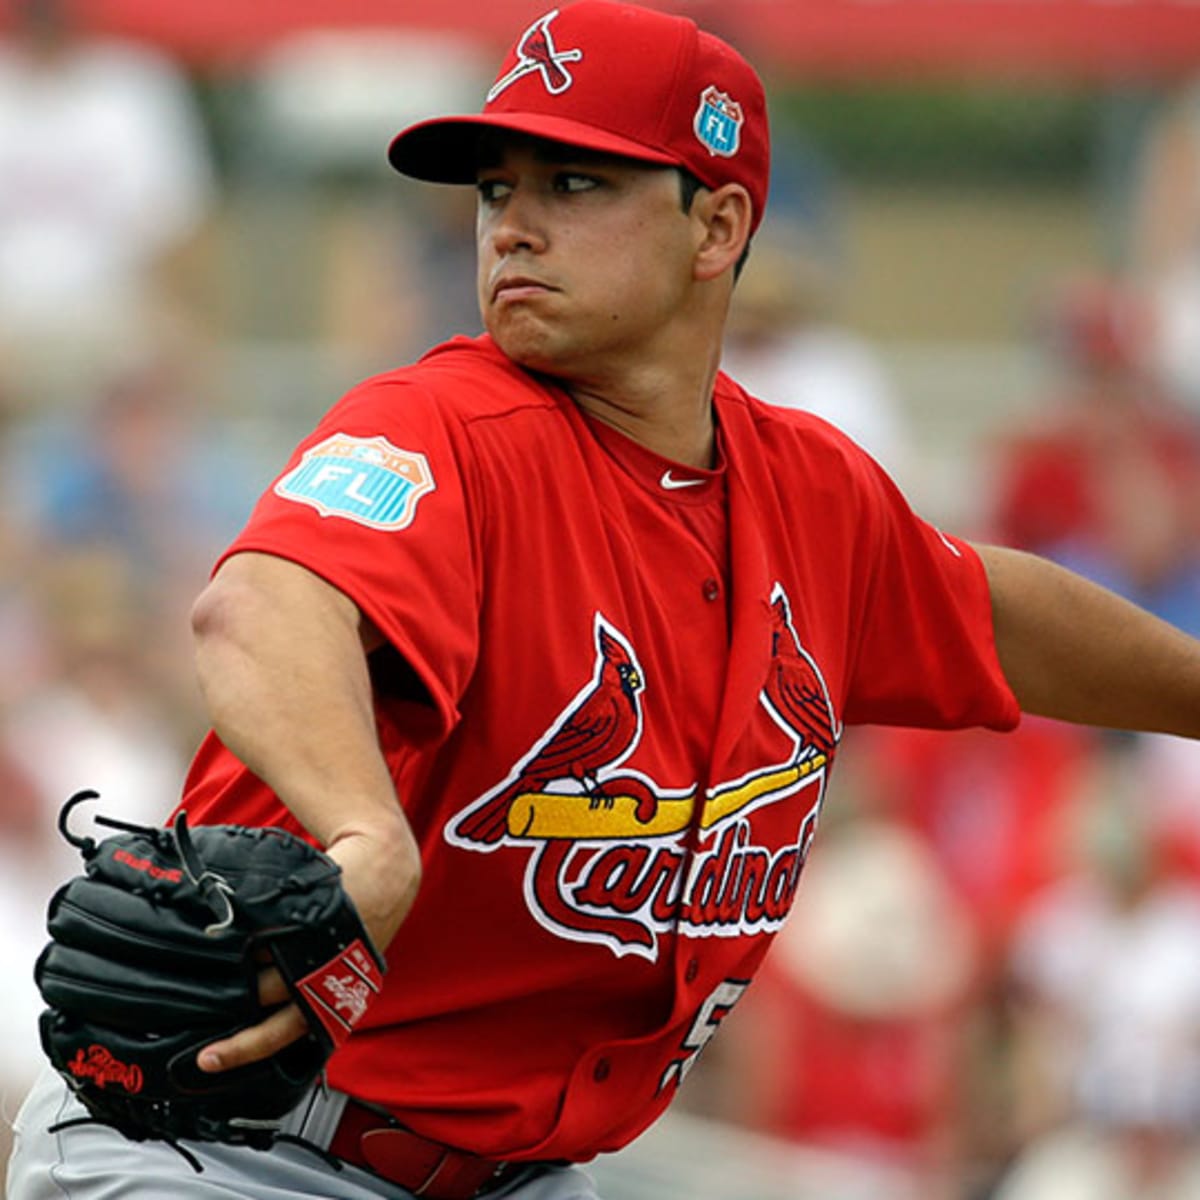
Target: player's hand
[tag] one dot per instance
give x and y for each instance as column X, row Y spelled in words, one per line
column 381, row 871
column 280, row 1029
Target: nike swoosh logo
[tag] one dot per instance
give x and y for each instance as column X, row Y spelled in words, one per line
column 671, row 483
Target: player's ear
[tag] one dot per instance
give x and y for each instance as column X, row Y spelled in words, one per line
column 725, row 215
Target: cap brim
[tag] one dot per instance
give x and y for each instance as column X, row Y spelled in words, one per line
column 446, row 149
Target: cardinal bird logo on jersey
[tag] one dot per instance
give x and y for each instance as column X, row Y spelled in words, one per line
column 618, row 858
column 795, row 693
column 536, row 52
column 597, row 731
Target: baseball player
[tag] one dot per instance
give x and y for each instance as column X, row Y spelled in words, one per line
column 550, row 640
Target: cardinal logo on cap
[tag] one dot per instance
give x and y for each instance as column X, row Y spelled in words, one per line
column 718, row 123
column 536, row 52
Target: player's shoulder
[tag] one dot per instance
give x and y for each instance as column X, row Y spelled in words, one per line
column 464, row 379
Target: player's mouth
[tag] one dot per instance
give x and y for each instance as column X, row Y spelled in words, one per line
column 518, row 287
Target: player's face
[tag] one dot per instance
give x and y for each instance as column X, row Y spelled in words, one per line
column 585, row 260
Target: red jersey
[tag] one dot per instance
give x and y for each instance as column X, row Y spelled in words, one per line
column 611, row 697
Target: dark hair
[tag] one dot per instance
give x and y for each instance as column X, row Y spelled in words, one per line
column 689, row 185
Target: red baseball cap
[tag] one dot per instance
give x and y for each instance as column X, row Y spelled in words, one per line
column 620, row 79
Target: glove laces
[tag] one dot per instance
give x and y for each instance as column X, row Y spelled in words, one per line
column 215, row 889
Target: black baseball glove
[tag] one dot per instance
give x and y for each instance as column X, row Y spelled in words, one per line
column 155, row 952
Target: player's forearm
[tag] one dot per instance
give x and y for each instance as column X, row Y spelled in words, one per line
column 1072, row 650
column 282, row 670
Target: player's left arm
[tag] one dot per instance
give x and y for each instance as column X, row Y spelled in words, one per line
column 1075, row 651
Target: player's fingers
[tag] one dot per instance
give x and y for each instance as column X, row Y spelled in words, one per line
column 257, row 1042
column 271, row 988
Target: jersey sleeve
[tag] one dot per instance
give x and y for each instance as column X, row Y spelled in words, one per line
column 924, row 653
column 375, row 501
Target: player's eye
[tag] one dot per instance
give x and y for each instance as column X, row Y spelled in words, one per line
column 574, row 181
column 491, row 190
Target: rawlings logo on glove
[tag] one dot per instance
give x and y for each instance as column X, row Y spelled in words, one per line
column 155, row 952
column 338, row 1001
column 101, row 1068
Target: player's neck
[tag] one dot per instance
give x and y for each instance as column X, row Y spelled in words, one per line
column 667, row 412
column 685, row 435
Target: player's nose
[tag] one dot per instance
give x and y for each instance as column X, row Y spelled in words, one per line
column 517, row 224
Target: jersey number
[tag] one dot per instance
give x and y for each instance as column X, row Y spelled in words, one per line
column 712, row 1012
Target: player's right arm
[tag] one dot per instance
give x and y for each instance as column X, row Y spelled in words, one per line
column 281, row 658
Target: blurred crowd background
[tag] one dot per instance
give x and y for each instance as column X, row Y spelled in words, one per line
column 988, row 273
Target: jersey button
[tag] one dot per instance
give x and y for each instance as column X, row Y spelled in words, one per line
column 602, row 1070
column 693, row 969
column 710, row 589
